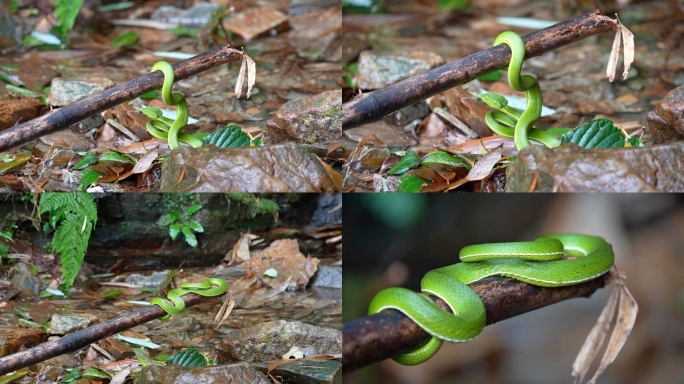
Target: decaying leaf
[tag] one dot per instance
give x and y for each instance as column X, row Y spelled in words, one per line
column 224, row 311
column 625, row 317
column 484, row 166
column 628, row 38
column 250, row 66
column 240, row 250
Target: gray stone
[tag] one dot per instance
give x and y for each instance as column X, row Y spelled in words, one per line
column 317, row 36
column 154, row 280
column 64, row 324
column 231, row 273
column 10, row 32
column 328, row 277
column 64, row 91
column 25, row 281
column 307, row 371
column 219, row 374
column 377, row 70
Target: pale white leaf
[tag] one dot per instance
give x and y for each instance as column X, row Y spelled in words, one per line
column 612, row 61
column 141, row 342
column 120, row 377
column 628, row 39
column 251, row 74
column 484, row 166
column 241, row 77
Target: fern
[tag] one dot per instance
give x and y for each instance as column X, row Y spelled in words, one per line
column 66, row 12
column 73, row 216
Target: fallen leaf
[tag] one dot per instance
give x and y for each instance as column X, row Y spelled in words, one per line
column 612, row 61
column 484, row 166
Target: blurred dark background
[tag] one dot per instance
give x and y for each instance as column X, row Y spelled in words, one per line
column 394, row 239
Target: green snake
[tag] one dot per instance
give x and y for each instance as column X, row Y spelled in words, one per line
column 535, row 262
column 175, row 305
column 173, row 133
column 159, row 126
column 533, row 98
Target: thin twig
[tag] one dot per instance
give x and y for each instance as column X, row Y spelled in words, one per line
column 374, row 105
column 64, row 117
column 378, row 337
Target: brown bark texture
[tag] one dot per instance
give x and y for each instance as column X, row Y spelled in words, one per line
column 64, row 117
column 374, row 105
column 378, row 337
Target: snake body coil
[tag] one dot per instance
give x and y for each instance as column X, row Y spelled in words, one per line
column 175, row 305
column 158, row 127
column 536, row 262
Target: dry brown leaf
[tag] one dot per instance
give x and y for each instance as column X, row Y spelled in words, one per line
column 225, row 311
column 628, row 39
column 626, row 317
column 484, row 166
column 145, row 162
column 241, row 77
column 595, row 339
column 251, row 74
column 120, row 377
column 612, row 61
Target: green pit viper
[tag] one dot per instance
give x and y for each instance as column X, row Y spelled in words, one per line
column 175, row 305
column 509, row 122
column 535, row 262
column 165, row 128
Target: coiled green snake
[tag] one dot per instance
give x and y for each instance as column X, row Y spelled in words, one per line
column 165, row 128
column 533, row 98
column 535, row 262
column 175, row 305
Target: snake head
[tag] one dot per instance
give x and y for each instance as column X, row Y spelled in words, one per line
column 151, row 112
column 494, row 100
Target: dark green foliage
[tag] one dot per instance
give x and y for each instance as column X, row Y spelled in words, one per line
column 599, row 134
column 188, row 358
column 66, row 12
column 231, row 136
column 73, row 216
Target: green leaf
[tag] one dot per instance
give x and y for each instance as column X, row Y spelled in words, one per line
column 21, row 91
column 452, row 5
column 181, row 31
column 115, row 157
column 599, row 134
column 175, row 216
column 174, row 230
column 4, row 249
column 89, row 177
column 66, row 12
column 116, row 6
column 231, row 136
column 443, row 159
column 11, row 79
column 271, row 272
column 191, row 211
column 9, row 67
column 73, row 375
column 410, row 160
column 18, row 159
column 112, row 293
column 125, row 40
column 149, row 95
column 491, row 77
column 410, row 183
column 94, row 373
column 189, row 236
column 195, row 226
column 147, row 343
column 88, row 159
column 188, row 358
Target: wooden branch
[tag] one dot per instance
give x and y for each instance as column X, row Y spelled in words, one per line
column 378, row 337
column 77, row 340
column 374, row 105
column 64, row 117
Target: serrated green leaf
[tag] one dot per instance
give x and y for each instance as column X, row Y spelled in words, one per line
column 125, row 40
column 73, row 375
column 174, row 230
column 112, row 293
column 231, row 136
column 410, row 183
column 600, row 133
column 94, row 373
column 189, row 236
column 410, row 160
column 443, row 159
column 89, row 177
column 115, row 157
column 88, row 159
column 18, row 159
column 188, row 358
column 195, row 226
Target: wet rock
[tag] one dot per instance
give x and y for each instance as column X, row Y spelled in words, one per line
column 254, row 21
column 328, row 211
column 219, row 374
column 12, row 340
column 293, row 269
column 591, row 107
column 571, row 168
column 328, row 277
column 377, row 70
column 307, row 371
column 407, row 114
column 63, row 324
column 231, row 273
column 276, row 168
column 391, row 135
column 298, row 7
column 309, row 120
column 317, row 35
column 10, row 32
column 271, row 340
column 74, row 140
column 64, row 91
column 23, row 280
column 117, row 348
column 154, row 280
column 667, row 121
column 15, row 110
column 196, row 16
